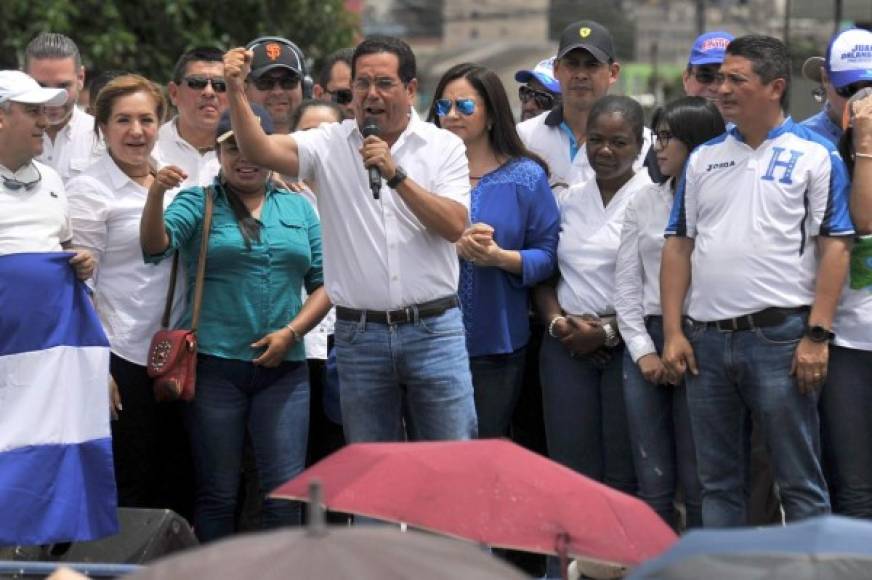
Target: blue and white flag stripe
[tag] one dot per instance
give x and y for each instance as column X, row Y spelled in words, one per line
column 56, row 476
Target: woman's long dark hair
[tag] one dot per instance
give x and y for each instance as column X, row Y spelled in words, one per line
column 502, row 135
column 249, row 227
column 691, row 120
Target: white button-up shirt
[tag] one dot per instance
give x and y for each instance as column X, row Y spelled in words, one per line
column 129, row 295
column 377, row 254
column 588, row 248
column 172, row 149
column 754, row 215
column 637, row 274
column 544, row 135
column 315, row 340
column 34, row 220
column 75, row 147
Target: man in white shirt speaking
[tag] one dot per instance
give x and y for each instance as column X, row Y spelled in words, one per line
column 392, row 193
column 761, row 220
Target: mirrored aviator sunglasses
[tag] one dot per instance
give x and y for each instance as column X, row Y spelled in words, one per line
column 465, row 107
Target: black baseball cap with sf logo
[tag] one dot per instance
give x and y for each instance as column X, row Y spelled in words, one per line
column 589, row 35
column 273, row 53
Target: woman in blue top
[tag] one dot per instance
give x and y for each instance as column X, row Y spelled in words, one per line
column 512, row 243
column 264, row 245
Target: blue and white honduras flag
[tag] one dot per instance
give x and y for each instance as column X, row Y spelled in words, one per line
column 56, row 478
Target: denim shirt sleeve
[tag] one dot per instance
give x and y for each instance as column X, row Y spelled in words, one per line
column 539, row 254
column 314, row 278
column 182, row 220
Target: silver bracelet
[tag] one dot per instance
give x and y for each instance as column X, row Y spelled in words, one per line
column 554, row 322
column 863, row 155
column 297, row 337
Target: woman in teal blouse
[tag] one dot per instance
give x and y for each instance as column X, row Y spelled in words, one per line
column 264, row 246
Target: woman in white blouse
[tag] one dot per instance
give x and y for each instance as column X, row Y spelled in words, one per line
column 151, row 452
column 663, row 450
column 581, row 356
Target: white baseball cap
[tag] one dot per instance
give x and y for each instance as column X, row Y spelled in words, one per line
column 849, row 57
column 21, row 88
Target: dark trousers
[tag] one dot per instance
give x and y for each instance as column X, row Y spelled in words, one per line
column 153, row 465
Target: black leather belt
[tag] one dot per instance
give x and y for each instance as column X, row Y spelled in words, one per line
column 761, row 319
column 400, row 316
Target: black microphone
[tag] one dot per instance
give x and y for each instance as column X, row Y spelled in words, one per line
column 370, row 127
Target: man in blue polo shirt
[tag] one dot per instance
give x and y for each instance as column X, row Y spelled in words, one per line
column 846, row 69
column 761, row 220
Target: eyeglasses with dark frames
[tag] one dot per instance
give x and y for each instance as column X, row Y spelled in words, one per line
column 544, row 100
column 466, row 107
column 199, row 83
column 663, row 137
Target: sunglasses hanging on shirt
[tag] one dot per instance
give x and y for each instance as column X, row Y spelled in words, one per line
column 13, row 184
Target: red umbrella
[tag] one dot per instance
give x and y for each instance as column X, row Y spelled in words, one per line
column 489, row 491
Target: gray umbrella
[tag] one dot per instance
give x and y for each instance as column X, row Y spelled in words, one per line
column 821, row 548
column 362, row 553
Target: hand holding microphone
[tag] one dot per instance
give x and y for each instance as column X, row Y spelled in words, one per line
column 376, row 156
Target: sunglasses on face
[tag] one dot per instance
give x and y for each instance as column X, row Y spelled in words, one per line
column 849, row 91
column 13, row 184
column 199, row 83
column 287, row 83
column 707, row 77
column 340, row 96
column 465, row 107
column 543, row 100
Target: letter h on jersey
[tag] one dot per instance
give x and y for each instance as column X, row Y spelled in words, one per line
column 776, row 162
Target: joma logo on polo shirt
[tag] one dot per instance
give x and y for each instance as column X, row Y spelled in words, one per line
column 723, row 165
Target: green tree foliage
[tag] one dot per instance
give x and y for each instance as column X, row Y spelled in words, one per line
column 147, row 36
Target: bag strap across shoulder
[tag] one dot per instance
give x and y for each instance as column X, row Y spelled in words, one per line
column 201, row 269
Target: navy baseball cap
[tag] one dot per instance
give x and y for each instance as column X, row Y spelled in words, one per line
column 710, row 48
column 542, row 72
column 224, row 131
column 849, row 57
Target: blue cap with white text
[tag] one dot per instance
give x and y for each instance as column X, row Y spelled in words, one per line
column 710, row 48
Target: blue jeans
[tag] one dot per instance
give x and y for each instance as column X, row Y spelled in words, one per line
column 497, row 380
column 846, row 401
column 428, row 358
column 585, row 416
column 662, row 443
column 273, row 404
column 748, row 372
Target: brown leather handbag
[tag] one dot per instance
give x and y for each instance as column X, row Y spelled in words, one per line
column 172, row 356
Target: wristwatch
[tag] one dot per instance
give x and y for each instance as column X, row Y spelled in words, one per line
column 613, row 339
column 819, row 333
column 399, row 176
